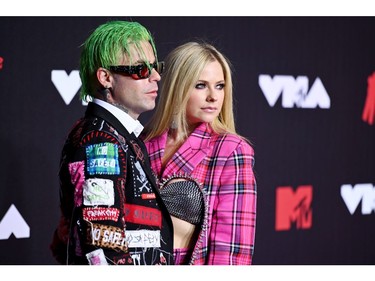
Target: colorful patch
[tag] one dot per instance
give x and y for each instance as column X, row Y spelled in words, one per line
column 77, row 177
column 96, row 257
column 107, row 236
column 148, row 196
column 102, row 159
column 142, row 215
column 98, row 191
column 98, row 214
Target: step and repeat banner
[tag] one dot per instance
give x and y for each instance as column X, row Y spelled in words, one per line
column 304, row 95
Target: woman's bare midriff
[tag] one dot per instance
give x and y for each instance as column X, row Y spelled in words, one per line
column 183, row 233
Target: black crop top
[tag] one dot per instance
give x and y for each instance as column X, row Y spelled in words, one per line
column 184, row 200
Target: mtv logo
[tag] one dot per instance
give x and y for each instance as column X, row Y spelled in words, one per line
column 293, row 207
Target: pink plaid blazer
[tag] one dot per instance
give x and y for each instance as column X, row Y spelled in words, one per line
column 223, row 165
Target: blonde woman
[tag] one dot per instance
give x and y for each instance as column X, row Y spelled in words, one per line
column 203, row 167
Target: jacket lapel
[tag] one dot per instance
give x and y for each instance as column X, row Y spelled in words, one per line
column 191, row 153
column 134, row 143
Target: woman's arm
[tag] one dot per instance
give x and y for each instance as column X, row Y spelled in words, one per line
column 232, row 233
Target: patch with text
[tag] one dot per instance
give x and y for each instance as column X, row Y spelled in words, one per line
column 102, row 159
column 98, row 191
column 142, row 215
column 100, row 213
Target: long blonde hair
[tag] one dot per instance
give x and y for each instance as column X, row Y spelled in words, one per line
column 183, row 68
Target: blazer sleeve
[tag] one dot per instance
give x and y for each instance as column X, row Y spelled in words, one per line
column 233, row 227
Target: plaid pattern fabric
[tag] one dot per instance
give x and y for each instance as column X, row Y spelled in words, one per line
column 224, row 165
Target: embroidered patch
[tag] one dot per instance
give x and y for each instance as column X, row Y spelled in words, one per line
column 98, row 214
column 148, row 196
column 102, row 159
column 143, row 238
column 142, row 215
column 97, row 257
column 140, row 181
column 77, row 177
column 98, row 192
column 107, row 236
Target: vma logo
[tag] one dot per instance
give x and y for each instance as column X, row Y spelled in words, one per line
column 353, row 196
column 293, row 207
column 294, row 92
column 66, row 85
column 13, row 223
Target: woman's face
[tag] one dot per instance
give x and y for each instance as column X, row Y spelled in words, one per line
column 207, row 96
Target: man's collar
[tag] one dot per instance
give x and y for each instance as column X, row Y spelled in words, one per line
column 133, row 126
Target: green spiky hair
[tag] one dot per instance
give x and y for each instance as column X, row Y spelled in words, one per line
column 104, row 47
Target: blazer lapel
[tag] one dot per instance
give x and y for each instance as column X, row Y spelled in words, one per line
column 191, row 153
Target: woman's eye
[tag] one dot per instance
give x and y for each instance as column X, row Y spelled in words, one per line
column 200, row 86
column 220, row 86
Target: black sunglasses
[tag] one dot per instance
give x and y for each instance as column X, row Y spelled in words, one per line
column 141, row 71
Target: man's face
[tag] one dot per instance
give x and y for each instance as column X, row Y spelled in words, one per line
column 135, row 95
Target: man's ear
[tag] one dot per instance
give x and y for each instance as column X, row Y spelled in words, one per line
column 104, row 77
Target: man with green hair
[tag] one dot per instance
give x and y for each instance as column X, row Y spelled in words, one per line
column 111, row 210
